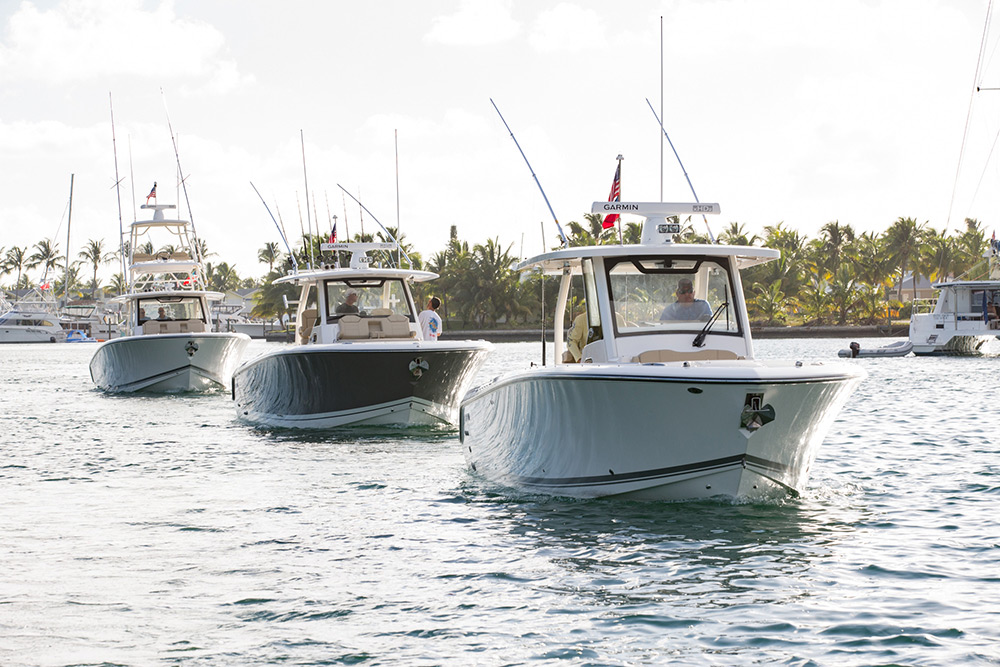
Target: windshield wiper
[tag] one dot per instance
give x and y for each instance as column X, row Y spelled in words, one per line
column 699, row 340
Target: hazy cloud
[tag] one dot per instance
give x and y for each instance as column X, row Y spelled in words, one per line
column 567, row 27
column 82, row 40
column 477, row 22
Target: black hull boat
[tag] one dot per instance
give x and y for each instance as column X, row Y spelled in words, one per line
column 323, row 386
column 361, row 355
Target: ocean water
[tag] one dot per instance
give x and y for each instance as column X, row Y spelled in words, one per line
column 159, row 530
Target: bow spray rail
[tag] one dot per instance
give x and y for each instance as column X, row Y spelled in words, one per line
column 664, row 130
column 558, row 226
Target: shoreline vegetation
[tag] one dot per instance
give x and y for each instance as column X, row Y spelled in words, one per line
column 839, row 283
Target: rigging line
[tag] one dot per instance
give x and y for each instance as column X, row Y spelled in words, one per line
column 660, row 123
column 986, row 167
column 968, row 113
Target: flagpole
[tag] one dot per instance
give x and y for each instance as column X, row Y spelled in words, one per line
column 621, row 240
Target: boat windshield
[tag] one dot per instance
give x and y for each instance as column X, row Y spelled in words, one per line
column 665, row 294
column 367, row 298
column 167, row 308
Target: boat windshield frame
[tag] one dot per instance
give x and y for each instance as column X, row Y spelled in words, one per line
column 371, row 289
column 674, row 268
column 182, row 307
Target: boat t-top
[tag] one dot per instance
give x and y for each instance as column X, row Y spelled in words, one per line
column 359, row 357
column 166, row 340
column 667, row 400
column 963, row 317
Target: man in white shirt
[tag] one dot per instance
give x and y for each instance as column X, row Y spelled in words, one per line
column 430, row 321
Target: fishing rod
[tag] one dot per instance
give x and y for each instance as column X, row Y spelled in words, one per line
column 558, row 226
column 312, row 258
column 660, row 123
column 118, row 193
column 398, row 246
column 183, row 179
column 281, row 232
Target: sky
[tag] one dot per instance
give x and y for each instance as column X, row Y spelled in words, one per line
column 782, row 111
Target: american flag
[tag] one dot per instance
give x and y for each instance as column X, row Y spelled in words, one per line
column 152, row 193
column 333, row 234
column 616, row 195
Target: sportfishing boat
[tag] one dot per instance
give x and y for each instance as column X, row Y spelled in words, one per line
column 359, row 357
column 166, row 342
column 963, row 317
column 27, row 322
column 668, row 401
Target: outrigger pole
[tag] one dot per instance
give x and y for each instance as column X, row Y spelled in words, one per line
column 118, row 192
column 558, row 226
column 180, row 173
column 664, row 130
column 399, row 248
column 281, row 233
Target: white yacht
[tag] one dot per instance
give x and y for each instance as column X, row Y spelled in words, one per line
column 358, row 357
column 657, row 408
column 26, row 323
column 166, row 342
column 963, row 317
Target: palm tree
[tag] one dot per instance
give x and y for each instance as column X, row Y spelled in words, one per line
column 46, row 255
column 118, row 283
column 736, row 234
column 834, row 240
column 93, row 252
column 269, row 254
column 270, row 300
column 592, row 233
column 16, row 259
column 814, row 300
column 844, row 293
column 770, row 303
column 903, row 239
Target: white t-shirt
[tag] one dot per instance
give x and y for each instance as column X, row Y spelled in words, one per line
column 430, row 324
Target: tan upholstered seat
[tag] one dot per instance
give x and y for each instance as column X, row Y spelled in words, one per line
column 396, row 326
column 191, row 326
column 650, row 356
column 352, row 327
column 380, row 312
column 308, row 321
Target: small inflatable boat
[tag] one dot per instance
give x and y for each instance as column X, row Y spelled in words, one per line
column 900, row 348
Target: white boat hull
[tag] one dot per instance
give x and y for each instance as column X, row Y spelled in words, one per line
column 655, row 431
column 167, row 362
column 31, row 335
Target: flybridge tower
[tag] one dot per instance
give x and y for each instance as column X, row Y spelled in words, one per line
column 656, row 230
